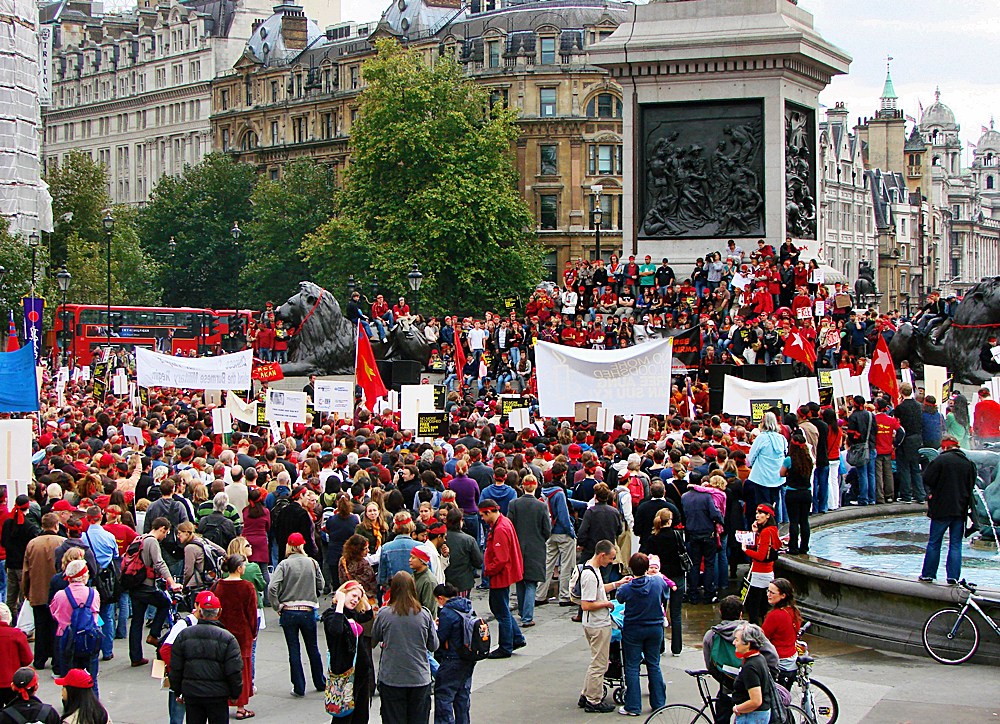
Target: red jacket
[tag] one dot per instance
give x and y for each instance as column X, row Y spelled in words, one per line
column 14, row 652
column 502, row 560
column 987, row 419
column 767, row 540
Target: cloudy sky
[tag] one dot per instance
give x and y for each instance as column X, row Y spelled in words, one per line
column 932, row 44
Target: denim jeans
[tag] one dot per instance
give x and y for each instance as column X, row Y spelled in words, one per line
column 175, row 709
column 911, row 481
column 510, row 633
column 821, row 489
column 108, row 629
column 123, row 609
column 721, row 565
column 641, row 643
column 143, row 597
column 866, row 480
column 453, row 692
column 3, row 582
column 932, row 557
column 292, row 624
column 701, row 548
column 515, row 357
column 380, row 327
column 761, row 716
column 526, row 600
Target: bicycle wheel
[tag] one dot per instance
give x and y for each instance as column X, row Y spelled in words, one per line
column 678, row 714
column 821, row 704
column 798, row 716
column 950, row 636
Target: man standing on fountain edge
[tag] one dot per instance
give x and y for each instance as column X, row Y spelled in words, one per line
column 949, row 480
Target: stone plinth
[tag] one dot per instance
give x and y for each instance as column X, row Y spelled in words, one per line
column 720, row 123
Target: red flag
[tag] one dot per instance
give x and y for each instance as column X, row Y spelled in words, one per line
column 459, row 358
column 13, row 345
column 366, row 371
column 268, row 372
column 882, row 373
column 799, row 348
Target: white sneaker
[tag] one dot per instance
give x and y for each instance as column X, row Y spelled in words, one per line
column 625, row 712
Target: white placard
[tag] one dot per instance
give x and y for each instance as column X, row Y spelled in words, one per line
column 63, row 375
column 519, row 418
column 133, row 434
column 640, row 427
column 15, row 457
column 415, row 399
column 119, row 385
column 745, row 537
column 241, row 410
column 820, row 308
column 213, row 397
column 605, row 420
column 739, row 281
column 737, row 393
column 635, row 380
column 85, row 374
column 221, row 421
column 333, row 396
column 225, row 372
column 285, row 406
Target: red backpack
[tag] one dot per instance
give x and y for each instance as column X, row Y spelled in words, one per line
column 636, row 490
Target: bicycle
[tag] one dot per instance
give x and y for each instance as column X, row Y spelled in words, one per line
column 817, row 699
column 689, row 714
column 950, row 635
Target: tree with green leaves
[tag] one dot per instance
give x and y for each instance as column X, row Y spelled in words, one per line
column 80, row 198
column 432, row 181
column 285, row 211
column 199, row 209
column 15, row 258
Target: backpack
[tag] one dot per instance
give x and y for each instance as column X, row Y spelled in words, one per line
column 724, row 655
column 82, row 638
column 475, row 637
column 636, row 490
column 548, row 503
column 134, row 572
column 575, row 587
column 211, row 570
column 106, row 582
column 44, row 712
column 214, row 529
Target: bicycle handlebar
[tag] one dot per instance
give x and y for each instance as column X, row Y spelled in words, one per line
column 970, row 587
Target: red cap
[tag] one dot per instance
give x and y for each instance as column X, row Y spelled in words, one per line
column 107, row 460
column 62, row 505
column 77, row 678
column 575, row 451
column 418, row 552
column 208, row 600
column 296, row 539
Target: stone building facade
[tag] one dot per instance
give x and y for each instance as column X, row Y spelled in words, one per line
column 291, row 96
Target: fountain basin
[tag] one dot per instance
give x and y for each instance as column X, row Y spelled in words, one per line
column 855, row 588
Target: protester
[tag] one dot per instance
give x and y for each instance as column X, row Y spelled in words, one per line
column 26, row 706
column 453, row 681
column 80, row 702
column 39, row 569
column 503, row 565
column 642, row 633
column 797, row 470
column 14, row 653
column 950, row 480
column 752, row 691
column 76, row 650
column 763, row 552
column 350, row 647
column 533, row 526
column 781, row 627
column 238, row 599
column 667, row 544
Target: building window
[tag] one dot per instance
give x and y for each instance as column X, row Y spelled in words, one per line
column 274, row 91
column 355, row 77
column 548, row 207
column 957, row 211
column 498, row 95
column 548, row 160
column 604, row 160
column 547, row 102
column 327, row 125
column 273, row 174
column 493, row 53
column 548, row 51
column 274, row 133
column 605, row 105
column 299, row 129
column 224, row 99
column 989, row 183
column 225, row 139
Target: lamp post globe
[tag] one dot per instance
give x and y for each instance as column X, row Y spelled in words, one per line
column 416, row 279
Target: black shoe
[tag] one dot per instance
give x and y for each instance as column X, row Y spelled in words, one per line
column 926, row 579
column 582, row 701
column 542, row 602
column 498, row 654
column 520, row 645
column 601, row 708
column 564, row 604
column 108, row 657
column 952, row 581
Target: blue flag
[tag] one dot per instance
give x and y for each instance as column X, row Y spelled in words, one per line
column 18, row 386
column 34, row 307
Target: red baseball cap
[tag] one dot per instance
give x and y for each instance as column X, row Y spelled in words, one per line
column 77, row 678
column 107, row 460
column 63, row 505
column 208, row 600
column 296, row 539
column 575, row 451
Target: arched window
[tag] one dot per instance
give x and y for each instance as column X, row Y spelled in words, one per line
column 989, row 182
column 249, row 141
column 604, row 105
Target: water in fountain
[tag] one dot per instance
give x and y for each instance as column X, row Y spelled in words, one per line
column 989, row 516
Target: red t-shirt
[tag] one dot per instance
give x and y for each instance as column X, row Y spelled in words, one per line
column 780, row 629
column 886, row 426
column 987, row 419
column 123, row 535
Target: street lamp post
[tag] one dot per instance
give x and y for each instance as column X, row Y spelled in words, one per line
column 416, row 279
column 33, row 240
column 598, row 217
column 236, row 231
column 172, row 245
column 64, row 278
column 109, row 227
column 352, row 284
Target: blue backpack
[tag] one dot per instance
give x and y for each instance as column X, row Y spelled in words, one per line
column 82, row 638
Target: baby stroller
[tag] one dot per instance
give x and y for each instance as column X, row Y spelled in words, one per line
column 614, row 677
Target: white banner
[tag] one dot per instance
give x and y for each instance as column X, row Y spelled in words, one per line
column 15, row 457
column 737, row 393
column 285, row 406
column 630, row 381
column 414, row 399
column 225, row 372
column 337, row 397
column 241, row 410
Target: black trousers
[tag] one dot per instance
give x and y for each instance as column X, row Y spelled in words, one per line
column 210, row 711
column 403, row 704
column 799, row 504
column 45, row 637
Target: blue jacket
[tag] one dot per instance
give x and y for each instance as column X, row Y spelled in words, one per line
column 502, row 494
column 700, row 513
column 451, row 628
column 766, row 456
column 933, row 428
column 555, row 497
column 644, row 598
column 394, row 557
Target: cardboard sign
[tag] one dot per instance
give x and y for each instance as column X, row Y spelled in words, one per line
column 440, row 396
column 511, row 402
column 640, row 427
column 285, row 406
column 759, row 407
column 222, row 421
column 261, row 415
column 842, row 301
column 826, row 396
column 432, row 424
column 519, row 419
column 336, row 397
column 270, row 372
column 825, row 378
column 415, row 399
column 605, row 420
column 133, row 434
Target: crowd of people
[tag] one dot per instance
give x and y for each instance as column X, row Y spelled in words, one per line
column 180, row 542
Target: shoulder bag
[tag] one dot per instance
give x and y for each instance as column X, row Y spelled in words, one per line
column 686, row 563
column 340, row 687
column 858, row 454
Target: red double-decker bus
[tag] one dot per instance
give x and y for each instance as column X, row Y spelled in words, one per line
column 164, row 329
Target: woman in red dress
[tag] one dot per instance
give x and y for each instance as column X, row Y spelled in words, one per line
column 239, row 617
